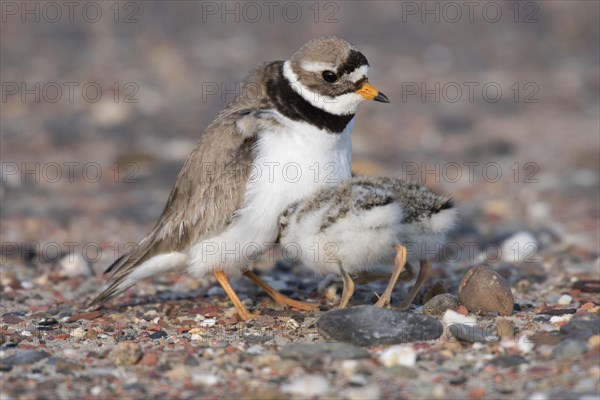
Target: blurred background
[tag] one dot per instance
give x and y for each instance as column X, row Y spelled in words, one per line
column 496, row 104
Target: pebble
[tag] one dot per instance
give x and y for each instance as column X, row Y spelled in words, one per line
column 25, row 357
column 508, row 361
column 538, row 396
column 150, row 359
column 504, row 328
column 565, row 299
column 96, row 390
column 12, row 319
column 178, row 372
column 208, row 322
column 307, row 386
column 349, row 367
column 374, row 326
column 594, row 341
column 358, row 380
column 207, row 380
column 197, row 337
column 439, row 304
column 482, row 290
column 158, row 335
column 472, row 334
column 403, row 371
column 583, row 326
column 518, row 248
column 589, row 286
column 371, row 392
column 452, row 317
column 78, row 332
column 255, row 349
column 569, row 348
column 337, row 351
column 87, row 316
column 126, row 353
column 398, row 355
column 73, row 265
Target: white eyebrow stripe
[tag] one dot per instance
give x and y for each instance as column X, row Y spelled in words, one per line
column 317, row 66
column 358, row 73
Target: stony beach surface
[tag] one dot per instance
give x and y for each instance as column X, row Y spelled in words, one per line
column 83, row 180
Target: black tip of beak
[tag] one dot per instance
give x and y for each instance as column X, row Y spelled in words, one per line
column 382, row 98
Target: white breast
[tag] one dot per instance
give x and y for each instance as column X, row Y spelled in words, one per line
column 291, row 163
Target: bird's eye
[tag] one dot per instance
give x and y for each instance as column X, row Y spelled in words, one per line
column 329, row 76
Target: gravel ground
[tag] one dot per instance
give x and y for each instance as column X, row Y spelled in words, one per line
column 84, row 177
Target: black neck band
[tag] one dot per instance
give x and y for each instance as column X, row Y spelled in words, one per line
column 289, row 103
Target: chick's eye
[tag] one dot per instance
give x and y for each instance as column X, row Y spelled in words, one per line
column 329, row 76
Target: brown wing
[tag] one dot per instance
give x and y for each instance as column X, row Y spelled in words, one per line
column 210, row 186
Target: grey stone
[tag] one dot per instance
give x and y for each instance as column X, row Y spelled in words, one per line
column 25, row 357
column 508, row 361
column 439, row 304
column 337, row 351
column 472, row 334
column 403, row 371
column 569, row 348
column 126, row 353
column 374, row 326
column 582, row 327
column 158, row 335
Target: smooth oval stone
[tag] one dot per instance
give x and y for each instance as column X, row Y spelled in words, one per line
column 25, row 357
column 508, row 361
column 439, row 304
column 472, row 334
column 483, row 291
column 374, row 326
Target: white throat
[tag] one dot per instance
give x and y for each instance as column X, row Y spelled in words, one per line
column 341, row 105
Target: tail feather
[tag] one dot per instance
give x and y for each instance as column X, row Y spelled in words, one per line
column 132, row 268
column 115, row 265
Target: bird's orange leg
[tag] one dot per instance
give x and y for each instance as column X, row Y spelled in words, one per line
column 399, row 264
column 242, row 310
column 279, row 297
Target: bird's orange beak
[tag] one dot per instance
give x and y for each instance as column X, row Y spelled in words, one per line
column 369, row 92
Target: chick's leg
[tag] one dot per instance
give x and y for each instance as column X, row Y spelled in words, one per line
column 348, row 287
column 399, row 264
column 421, row 278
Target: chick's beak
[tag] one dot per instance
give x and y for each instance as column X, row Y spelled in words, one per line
column 370, row 93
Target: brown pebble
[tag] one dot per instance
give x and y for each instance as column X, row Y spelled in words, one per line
column 462, row 310
column 504, row 328
column 587, row 306
column 150, row 359
column 209, row 311
column 483, row 291
column 265, row 320
column 12, row 319
column 545, row 338
column 477, row 393
column 126, row 353
column 91, row 334
column 87, row 316
column 589, row 286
